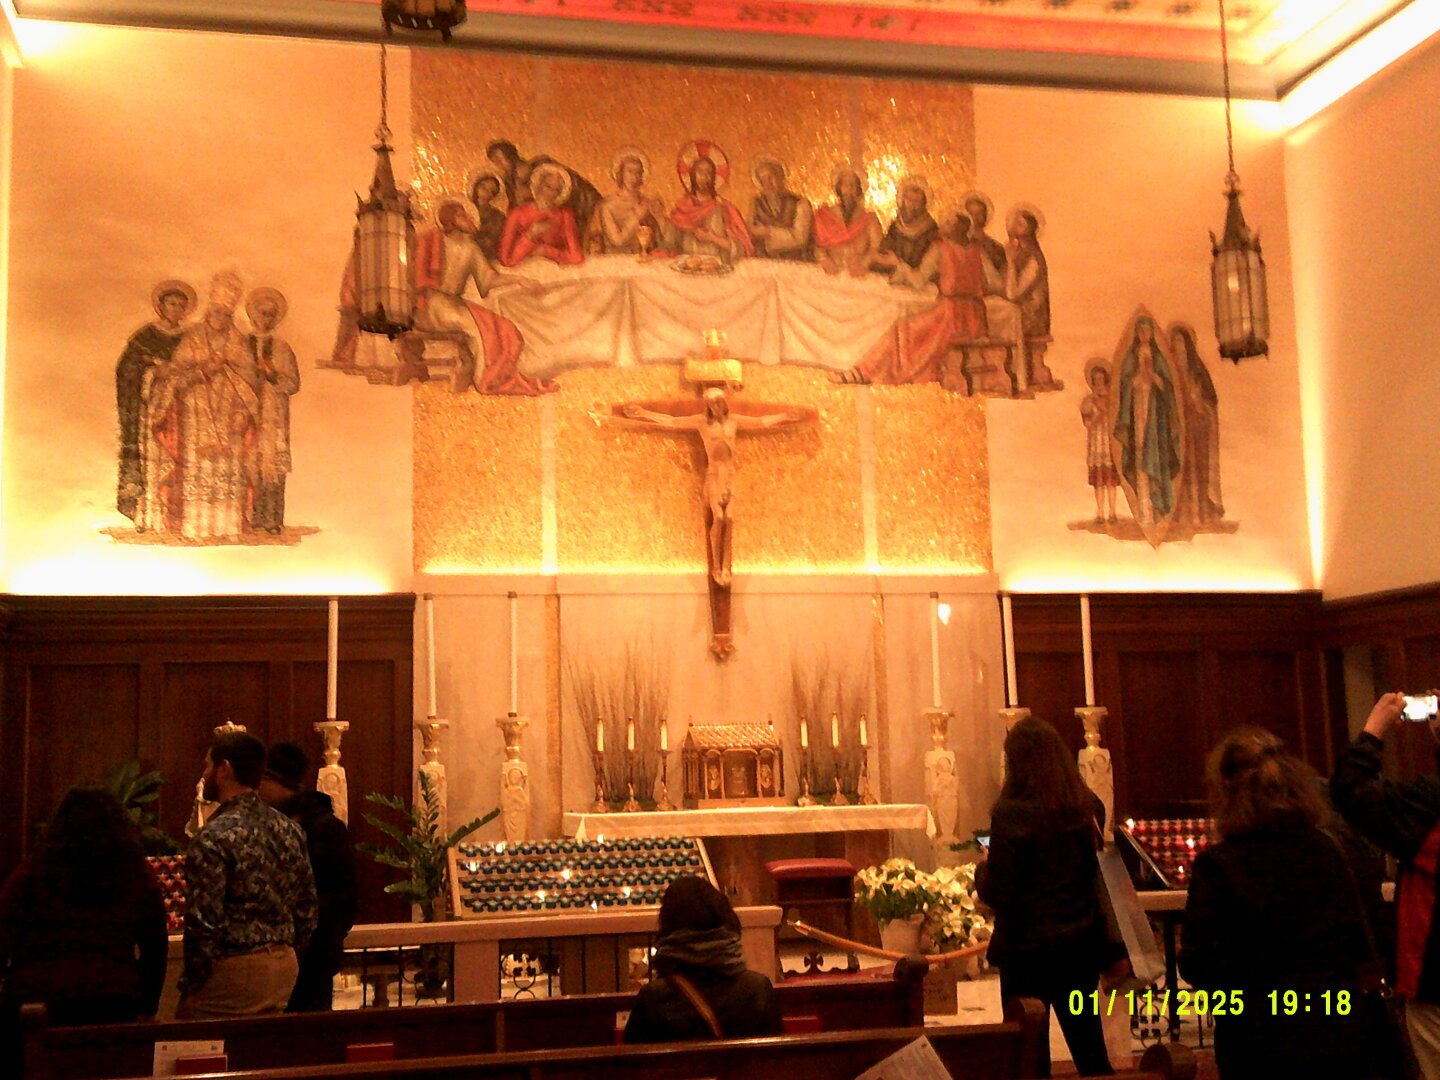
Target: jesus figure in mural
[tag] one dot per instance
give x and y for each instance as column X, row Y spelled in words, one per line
column 718, row 428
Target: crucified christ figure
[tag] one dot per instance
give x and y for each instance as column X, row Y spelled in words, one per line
column 718, row 428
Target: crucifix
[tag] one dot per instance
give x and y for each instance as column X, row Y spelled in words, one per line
column 718, row 422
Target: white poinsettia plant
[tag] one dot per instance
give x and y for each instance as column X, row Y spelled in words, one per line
column 898, row 889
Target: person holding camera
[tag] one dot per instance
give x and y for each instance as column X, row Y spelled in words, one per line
column 1403, row 818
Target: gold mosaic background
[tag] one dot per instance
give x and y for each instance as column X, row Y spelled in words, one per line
column 630, row 501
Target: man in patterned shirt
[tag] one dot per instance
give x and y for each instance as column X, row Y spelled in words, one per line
column 250, row 893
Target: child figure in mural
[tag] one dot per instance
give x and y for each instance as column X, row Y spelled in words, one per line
column 151, row 345
column 279, row 380
column 1095, row 410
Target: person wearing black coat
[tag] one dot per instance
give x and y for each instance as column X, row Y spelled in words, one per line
column 701, row 988
column 1274, row 906
column 1041, row 879
column 331, row 857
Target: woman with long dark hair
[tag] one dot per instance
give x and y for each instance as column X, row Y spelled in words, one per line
column 1041, row 879
column 1275, row 909
column 82, row 922
column 702, row 989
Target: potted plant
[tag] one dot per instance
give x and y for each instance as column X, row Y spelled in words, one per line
column 896, row 894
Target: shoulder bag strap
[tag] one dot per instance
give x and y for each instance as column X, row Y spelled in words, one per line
column 1362, row 910
column 693, row 995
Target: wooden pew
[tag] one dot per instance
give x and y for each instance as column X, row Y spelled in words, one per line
column 117, row 1050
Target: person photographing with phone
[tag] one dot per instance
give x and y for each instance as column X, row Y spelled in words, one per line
column 1403, row 818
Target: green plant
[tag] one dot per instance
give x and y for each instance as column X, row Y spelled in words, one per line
column 137, row 792
column 419, row 850
column 896, row 889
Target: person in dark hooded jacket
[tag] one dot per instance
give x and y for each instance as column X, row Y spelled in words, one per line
column 702, row 988
column 333, row 860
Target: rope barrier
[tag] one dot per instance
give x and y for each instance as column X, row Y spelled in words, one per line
column 885, row 954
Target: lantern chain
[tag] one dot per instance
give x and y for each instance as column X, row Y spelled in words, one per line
column 383, row 131
column 1232, row 179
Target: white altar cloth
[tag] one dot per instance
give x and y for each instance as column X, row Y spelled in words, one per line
column 751, row 821
column 617, row 310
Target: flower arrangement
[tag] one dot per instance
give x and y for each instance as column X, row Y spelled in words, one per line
column 898, row 889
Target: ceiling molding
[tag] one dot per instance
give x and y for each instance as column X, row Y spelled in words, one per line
column 347, row 20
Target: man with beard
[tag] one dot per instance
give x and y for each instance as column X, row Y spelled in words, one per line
column 847, row 235
column 250, row 894
column 779, row 219
column 514, row 172
column 708, row 224
column 913, row 230
column 333, row 861
column 151, row 345
column 978, row 209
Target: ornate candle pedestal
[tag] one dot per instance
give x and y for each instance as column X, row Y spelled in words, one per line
column 839, row 798
column 330, row 777
column 805, row 799
column 430, row 732
column 600, row 806
column 514, row 782
column 202, row 809
column 664, row 803
column 1011, row 716
column 867, row 797
column 942, row 786
column 632, row 805
column 1095, row 765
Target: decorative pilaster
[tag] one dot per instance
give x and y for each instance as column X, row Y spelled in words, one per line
column 514, row 782
column 1011, row 716
column 330, row 777
column 430, row 731
column 942, row 786
column 1095, row 765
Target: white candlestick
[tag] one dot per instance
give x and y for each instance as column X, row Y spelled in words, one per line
column 332, row 659
column 514, row 655
column 1089, row 650
column 834, row 730
column 630, row 734
column 935, row 649
column 864, row 741
column 804, row 735
column 664, row 734
column 430, row 651
column 1007, row 618
column 600, row 736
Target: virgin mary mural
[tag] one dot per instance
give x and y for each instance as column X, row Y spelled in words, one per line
column 1148, row 434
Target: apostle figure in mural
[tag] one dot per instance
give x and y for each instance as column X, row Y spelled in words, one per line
column 630, row 222
column 780, row 220
column 1148, row 431
column 447, row 262
column 718, row 428
column 1096, row 410
column 202, row 415
column 544, row 227
column 847, row 234
column 153, row 344
column 490, row 221
column 979, row 209
column 1200, row 500
column 913, row 349
column 708, row 224
column 515, row 174
column 912, row 232
column 279, row 380
column 1027, row 285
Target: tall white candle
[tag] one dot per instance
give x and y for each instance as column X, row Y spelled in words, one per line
column 935, row 649
column 514, row 654
column 665, row 734
column 332, row 658
column 834, row 729
column 430, row 652
column 1089, row 650
column 864, row 741
column 804, row 734
column 630, row 734
column 600, row 735
column 1007, row 619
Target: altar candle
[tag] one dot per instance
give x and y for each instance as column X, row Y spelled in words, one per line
column 935, row 649
column 514, row 654
column 332, row 658
column 863, row 740
column 1007, row 618
column 665, row 734
column 1089, row 650
column 804, row 734
column 834, row 729
column 430, row 651
column 630, row 734
column 600, row 736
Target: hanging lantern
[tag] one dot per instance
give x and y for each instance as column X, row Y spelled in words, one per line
column 442, row 15
column 384, row 232
column 1237, row 272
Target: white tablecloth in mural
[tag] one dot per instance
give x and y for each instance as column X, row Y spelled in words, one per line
column 616, row 309
column 752, row 821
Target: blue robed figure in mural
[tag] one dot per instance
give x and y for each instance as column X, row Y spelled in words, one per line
column 1147, row 432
